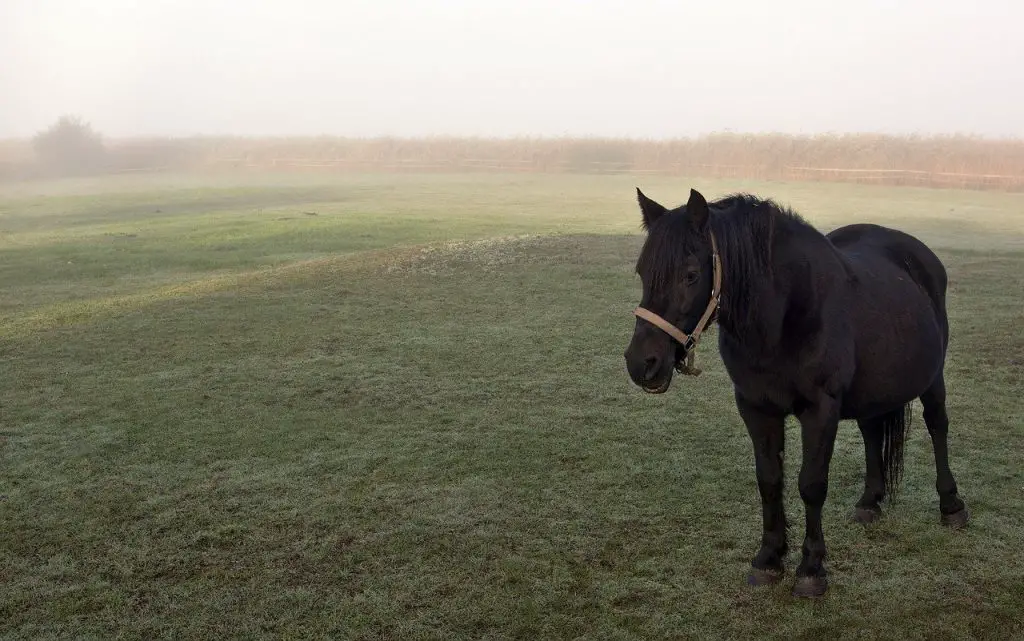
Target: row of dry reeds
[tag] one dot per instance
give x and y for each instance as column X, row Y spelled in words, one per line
column 961, row 161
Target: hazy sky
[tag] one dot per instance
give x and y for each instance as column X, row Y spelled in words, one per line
column 647, row 68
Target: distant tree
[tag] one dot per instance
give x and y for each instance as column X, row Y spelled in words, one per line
column 69, row 146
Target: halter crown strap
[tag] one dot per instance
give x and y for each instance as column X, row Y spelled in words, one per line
column 689, row 341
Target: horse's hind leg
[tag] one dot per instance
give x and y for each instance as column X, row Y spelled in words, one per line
column 868, row 508
column 951, row 506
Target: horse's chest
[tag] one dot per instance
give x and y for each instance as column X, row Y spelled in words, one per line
column 762, row 383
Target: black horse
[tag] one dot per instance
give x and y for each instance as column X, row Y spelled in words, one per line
column 849, row 325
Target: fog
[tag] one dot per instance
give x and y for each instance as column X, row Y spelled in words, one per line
column 642, row 68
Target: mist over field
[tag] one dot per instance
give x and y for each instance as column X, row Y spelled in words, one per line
column 608, row 68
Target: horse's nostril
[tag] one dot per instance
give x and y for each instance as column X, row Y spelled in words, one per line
column 652, row 363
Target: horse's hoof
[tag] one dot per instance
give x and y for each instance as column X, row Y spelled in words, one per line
column 810, row 586
column 759, row 577
column 956, row 520
column 866, row 515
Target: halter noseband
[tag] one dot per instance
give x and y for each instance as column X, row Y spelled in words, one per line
column 689, row 341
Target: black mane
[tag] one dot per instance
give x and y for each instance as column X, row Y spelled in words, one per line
column 746, row 228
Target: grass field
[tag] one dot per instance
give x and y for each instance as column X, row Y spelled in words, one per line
column 396, row 407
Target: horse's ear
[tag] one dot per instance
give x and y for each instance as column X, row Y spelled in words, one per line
column 651, row 210
column 697, row 209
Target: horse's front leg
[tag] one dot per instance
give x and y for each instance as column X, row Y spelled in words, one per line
column 819, row 422
column 767, row 433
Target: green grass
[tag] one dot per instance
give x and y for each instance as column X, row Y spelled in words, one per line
column 407, row 417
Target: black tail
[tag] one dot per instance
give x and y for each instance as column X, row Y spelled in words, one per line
column 895, row 428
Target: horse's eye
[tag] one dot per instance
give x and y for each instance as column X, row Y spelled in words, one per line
column 691, row 278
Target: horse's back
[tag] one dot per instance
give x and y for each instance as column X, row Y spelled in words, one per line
column 866, row 242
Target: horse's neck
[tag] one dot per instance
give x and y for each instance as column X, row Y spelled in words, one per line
column 765, row 305
column 759, row 329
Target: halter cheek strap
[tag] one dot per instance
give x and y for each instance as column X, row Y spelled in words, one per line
column 689, row 341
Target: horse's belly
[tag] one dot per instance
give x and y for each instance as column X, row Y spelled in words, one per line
column 899, row 352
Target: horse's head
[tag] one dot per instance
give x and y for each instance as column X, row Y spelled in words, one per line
column 678, row 270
